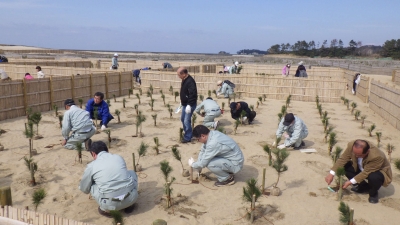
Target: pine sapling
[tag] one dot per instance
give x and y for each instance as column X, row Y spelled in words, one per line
column 319, row 107
column 180, row 134
column 346, row 214
column 288, row 101
column 149, row 94
column 357, row 114
column 29, row 113
column 33, row 167
column 370, row 129
column 35, row 118
column 252, row 107
column 138, row 97
column 389, row 149
column 201, row 97
column 177, row 156
column 250, row 194
column 151, row 89
column 140, row 91
column 267, row 149
column 258, row 104
column 118, row 219
column 234, row 97
column 280, row 116
column 347, row 104
column 108, row 102
column 170, row 110
column 215, row 93
column 151, row 104
column 171, row 90
column 118, row 113
column 55, row 107
column 130, row 92
column 327, row 132
column 37, row 197
column 397, row 164
column 235, row 125
column 331, row 142
column 340, row 172
column 242, row 115
column 221, row 129
column 336, row 154
column 80, row 102
column 60, row 119
column 108, row 132
column 264, row 97
column 260, row 99
column 325, row 123
column 123, row 102
column 166, row 169
column 136, row 107
column 176, row 94
column 209, row 93
column 378, row 138
column 280, row 158
column 363, row 120
column 155, row 119
column 29, row 134
column 229, row 100
column 163, row 98
column 317, row 100
column 223, row 105
column 142, row 118
column 342, row 98
column 161, row 92
column 194, row 118
column 277, row 140
column 353, row 106
column 79, row 149
column 283, row 110
column 115, row 99
column 157, row 145
column 142, row 150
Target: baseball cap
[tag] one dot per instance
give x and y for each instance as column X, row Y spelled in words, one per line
column 233, row 107
column 69, row 102
column 289, row 118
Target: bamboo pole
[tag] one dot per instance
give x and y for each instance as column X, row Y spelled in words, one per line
column 120, row 84
column 72, row 86
column 5, row 196
column 134, row 163
column 253, row 205
column 33, row 181
column 263, row 180
column 51, row 93
column 106, row 83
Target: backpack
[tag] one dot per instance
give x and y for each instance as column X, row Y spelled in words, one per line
column 230, row 83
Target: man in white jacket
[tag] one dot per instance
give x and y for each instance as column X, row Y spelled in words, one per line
column 295, row 130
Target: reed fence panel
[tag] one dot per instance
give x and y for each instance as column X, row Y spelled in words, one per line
column 82, row 88
column 82, row 64
column 385, row 101
column 396, row 76
column 126, row 82
column 362, row 89
column 38, row 96
column 113, row 84
column 98, row 84
column 14, row 216
column 11, row 99
column 61, row 89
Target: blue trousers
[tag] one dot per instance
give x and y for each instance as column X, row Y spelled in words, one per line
column 187, row 123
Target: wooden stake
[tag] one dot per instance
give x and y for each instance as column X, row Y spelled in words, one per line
column 253, row 205
column 134, row 164
column 5, row 196
column 33, row 181
column 263, row 180
column 351, row 217
column 340, row 191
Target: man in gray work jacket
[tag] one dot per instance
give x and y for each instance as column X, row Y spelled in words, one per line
column 108, row 181
column 78, row 121
column 295, row 130
column 219, row 153
column 211, row 111
column 226, row 88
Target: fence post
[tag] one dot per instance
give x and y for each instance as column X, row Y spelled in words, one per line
column 25, row 95
column 120, row 84
column 91, row 85
column 106, row 79
column 51, row 93
column 72, row 86
column 5, row 196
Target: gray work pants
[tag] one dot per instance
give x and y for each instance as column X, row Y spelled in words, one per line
column 77, row 137
column 107, row 204
column 221, row 167
column 210, row 116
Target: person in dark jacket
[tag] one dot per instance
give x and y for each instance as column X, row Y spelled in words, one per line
column 102, row 108
column 301, row 70
column 136, row 75
column 188, row 97
column 167, row 65
column 238, row 107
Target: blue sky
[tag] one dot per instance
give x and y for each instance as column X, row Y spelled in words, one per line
column 204, row 26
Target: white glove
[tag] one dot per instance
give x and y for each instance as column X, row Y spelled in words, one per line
column 286, row 135
column 190, row 161
column 103, row 127
column 218, row 93
column 244, row 118
column 188, row 109
column 281, row 146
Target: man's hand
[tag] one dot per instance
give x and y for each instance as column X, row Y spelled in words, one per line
column 346, row 184
column 218, row 94
column 103, row 127
column 188, row 109
column 285, row 135
column 190, row 161
column 64, row 142
column 329, row 179
column 282, row 146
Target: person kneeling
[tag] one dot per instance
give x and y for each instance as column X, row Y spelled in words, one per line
column 219, row 153
column 108, row 181
column 296, row 130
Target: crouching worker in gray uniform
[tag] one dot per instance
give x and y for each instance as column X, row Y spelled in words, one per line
column 295, row 130
column 108, row 181
column 78, row 121
column 226, row 88
column 219, row 153
column 211, row 111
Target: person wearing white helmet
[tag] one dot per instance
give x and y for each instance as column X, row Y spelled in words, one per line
column 233, row 68
column 114, row 62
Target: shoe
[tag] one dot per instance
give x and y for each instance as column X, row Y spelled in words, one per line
column 360, row 188
column 184, row 141
column 104, row 213
column 129, row 209
column 216, row 123
column 373, row 199
column 297, row 148
column 230, row 181
column 88, row 143
column 302, row 144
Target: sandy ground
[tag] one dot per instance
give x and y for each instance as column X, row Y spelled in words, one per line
column 304, row 200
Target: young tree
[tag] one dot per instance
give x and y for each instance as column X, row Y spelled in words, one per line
column 141, row 151
column 118, row 113
column 331, row 142
column 35, row 118
column 319, row 107
column 327, row 132
column 357, row 114
column 157, row 145
column 378, row 138
column 155, row 119
column 287, row 101
column 370, row 129
column 260, row 99
column 118, row 219
column 242, row 115
column 123, row 102
column 136, row 106
column 264, row 97
column 176, row 94
column 201, row 97
column 353, row 106
column 177, row 156
column 108, row 102
column 250, row 194
column 223, row 105
column 194, row 118
column 234, row 97
column 363, row 120
column 37, row 197
column 79, row 150
column 151, row 104
column 180, row 134
column 170, row 110
column 235, row 125
column 171, row 90
column 347, row 102
column 389, row 148
column 163, row 98
column 278, row 164
column 267, row 149
column 130, row 92
column 149, row 94
column 140, row 91
column 397, row 164
column 29, row 134
column 209, row 93
column 166, row 170
column 80, row 102
column 346, row 214
column 336, row 154
column 215, row 93
column 340, row 172
column 138, row 97
column 151, row 89
column 60, row 119
column 251, row 107
column 108, row 132
column 32, row 167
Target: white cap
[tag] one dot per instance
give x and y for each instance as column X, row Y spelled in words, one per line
column 219, row 82
column 116, row 54
column 236, row 63
column 301, row 63
column 3, row 74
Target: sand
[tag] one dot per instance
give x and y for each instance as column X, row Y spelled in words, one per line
column 304, row 199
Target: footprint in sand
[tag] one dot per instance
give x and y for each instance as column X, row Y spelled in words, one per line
column 393, row 203
column 318, row 167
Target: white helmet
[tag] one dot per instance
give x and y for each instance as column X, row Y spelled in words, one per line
column 236, row 63
column 116, row 54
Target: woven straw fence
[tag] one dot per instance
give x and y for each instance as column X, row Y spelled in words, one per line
column 14, row 216
column 329, row 90
column 41, row 94
column 385, row 101
column 82, row 64
column 362, row 90
column 396, row 76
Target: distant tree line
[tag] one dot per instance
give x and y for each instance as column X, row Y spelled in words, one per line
column 391, row 48
column 251, row 52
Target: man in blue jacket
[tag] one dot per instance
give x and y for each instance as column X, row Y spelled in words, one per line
column 102, row 109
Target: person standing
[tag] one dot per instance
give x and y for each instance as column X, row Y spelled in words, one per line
column 219, row 153
column 286, row 70
column 78, row 121
column 238, row 107
column 188, row 96
column 39, row 71
column 226, row 88
column 108, row 181
column 296, row 130
column 211, row 111
column 363, row 161
column 114, row 62
column 103, row 112
column 356, row 81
